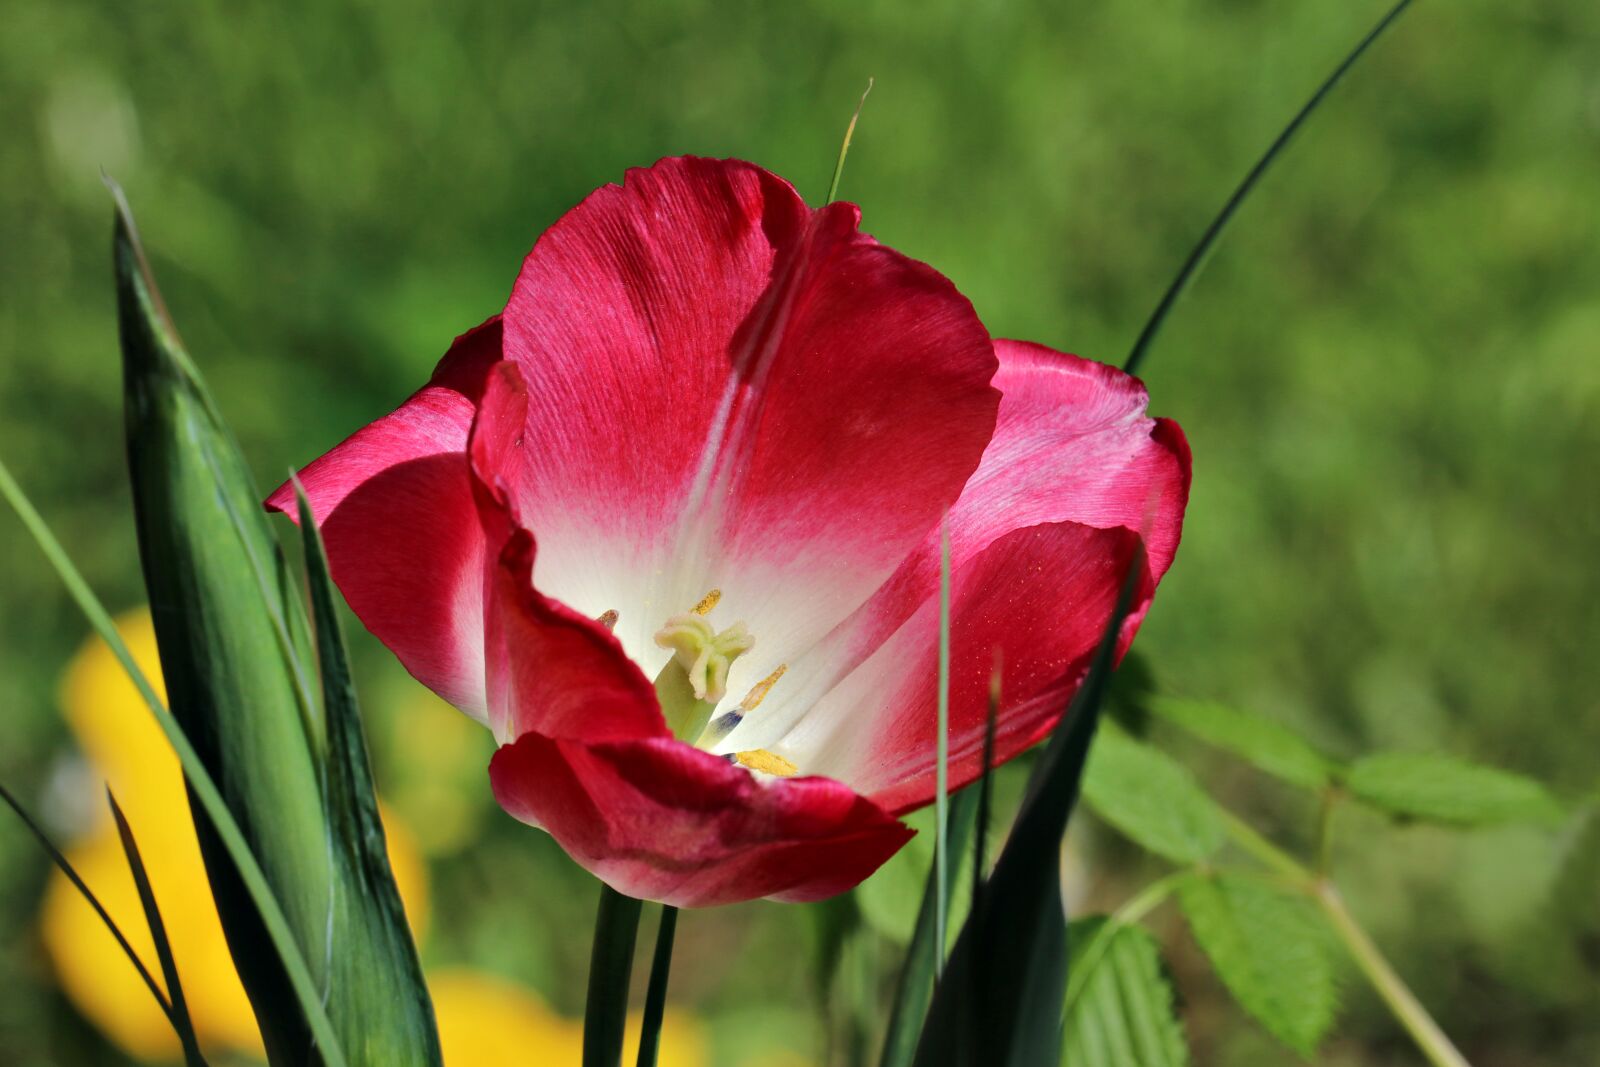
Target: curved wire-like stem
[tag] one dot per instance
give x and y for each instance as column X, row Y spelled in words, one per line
column 1198, row 254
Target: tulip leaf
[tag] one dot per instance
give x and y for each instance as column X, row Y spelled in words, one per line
column 202, row 787
column 1260, row 742
column 1436, row 788
column 1271, row 949
column 339, row 975
column 376, row 963
column 158, row 933
column 883, row 898
column 1151, row 798
column 999, row 1001
column 1202, row 249
column 1124, row 1014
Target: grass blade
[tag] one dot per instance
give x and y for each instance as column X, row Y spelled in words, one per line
column 655, row 1000
column 605, row 1011
column 918, row 969
column 158, row 933
column 1000, row 1002
column 201, row 786
column 77, row 881
column 844, row 146
column 1198, row 254
column 941, row 867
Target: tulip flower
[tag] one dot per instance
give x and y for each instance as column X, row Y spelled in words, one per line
column 669, row 525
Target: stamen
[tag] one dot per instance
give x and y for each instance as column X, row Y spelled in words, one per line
column 759, row 759
column 608, row 619
column 707, row 602
column 759, row 691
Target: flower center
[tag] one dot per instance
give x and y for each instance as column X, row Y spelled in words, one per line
column 695, row 680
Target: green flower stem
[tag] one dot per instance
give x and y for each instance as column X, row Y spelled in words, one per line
column 1433, row 1042
column 1390, row 987
column 655, row 1003
column 616, row 928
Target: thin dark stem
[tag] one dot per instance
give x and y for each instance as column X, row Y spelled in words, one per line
column 94, row 902
column 616, row 928
column 655, row 1001
column 1197, row 256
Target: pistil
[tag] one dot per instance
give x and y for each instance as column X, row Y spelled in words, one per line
column 695, row 679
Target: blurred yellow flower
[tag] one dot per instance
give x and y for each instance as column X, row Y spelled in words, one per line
column 485, row 1020
column 127, row 749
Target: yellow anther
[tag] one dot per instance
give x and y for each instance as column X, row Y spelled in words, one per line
column 707, row 602
column 759, row 759
column 758, row 692
column 608, row 619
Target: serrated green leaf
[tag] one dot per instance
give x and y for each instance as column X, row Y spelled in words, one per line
column 1125, row 1013
column 1436, row 788
column 1151, row 798
column 1271, row 949
column 1265, row 745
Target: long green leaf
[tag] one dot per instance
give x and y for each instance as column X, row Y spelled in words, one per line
column 376, row 964
column 1271, row 949
column 1152, row 798
column 201, row 786
column 233, row 675
column 93, row 901
column 999, row 1002
column 919, row 967
column 1201, row 250
column 181, row 1022
column 1261, row 743
column 1436, row 788
column 1124, row 1015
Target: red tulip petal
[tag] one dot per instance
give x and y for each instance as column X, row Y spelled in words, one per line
column 660, row 820
column 1040, row 598
column 549, row 669
column 733, row 391
column 1073, row 444
column 403, row 537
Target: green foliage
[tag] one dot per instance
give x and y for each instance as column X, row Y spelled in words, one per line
column 1151, row 798
column 376, row 965
column 1124, row 1013
column 1271, row 950
column 1435, row 788
column 236, row 658
column 179, row 1013
column 884, row 899
column 999, row 1000
column 1260, row 742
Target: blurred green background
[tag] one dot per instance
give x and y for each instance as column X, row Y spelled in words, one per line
column 1389, row 374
